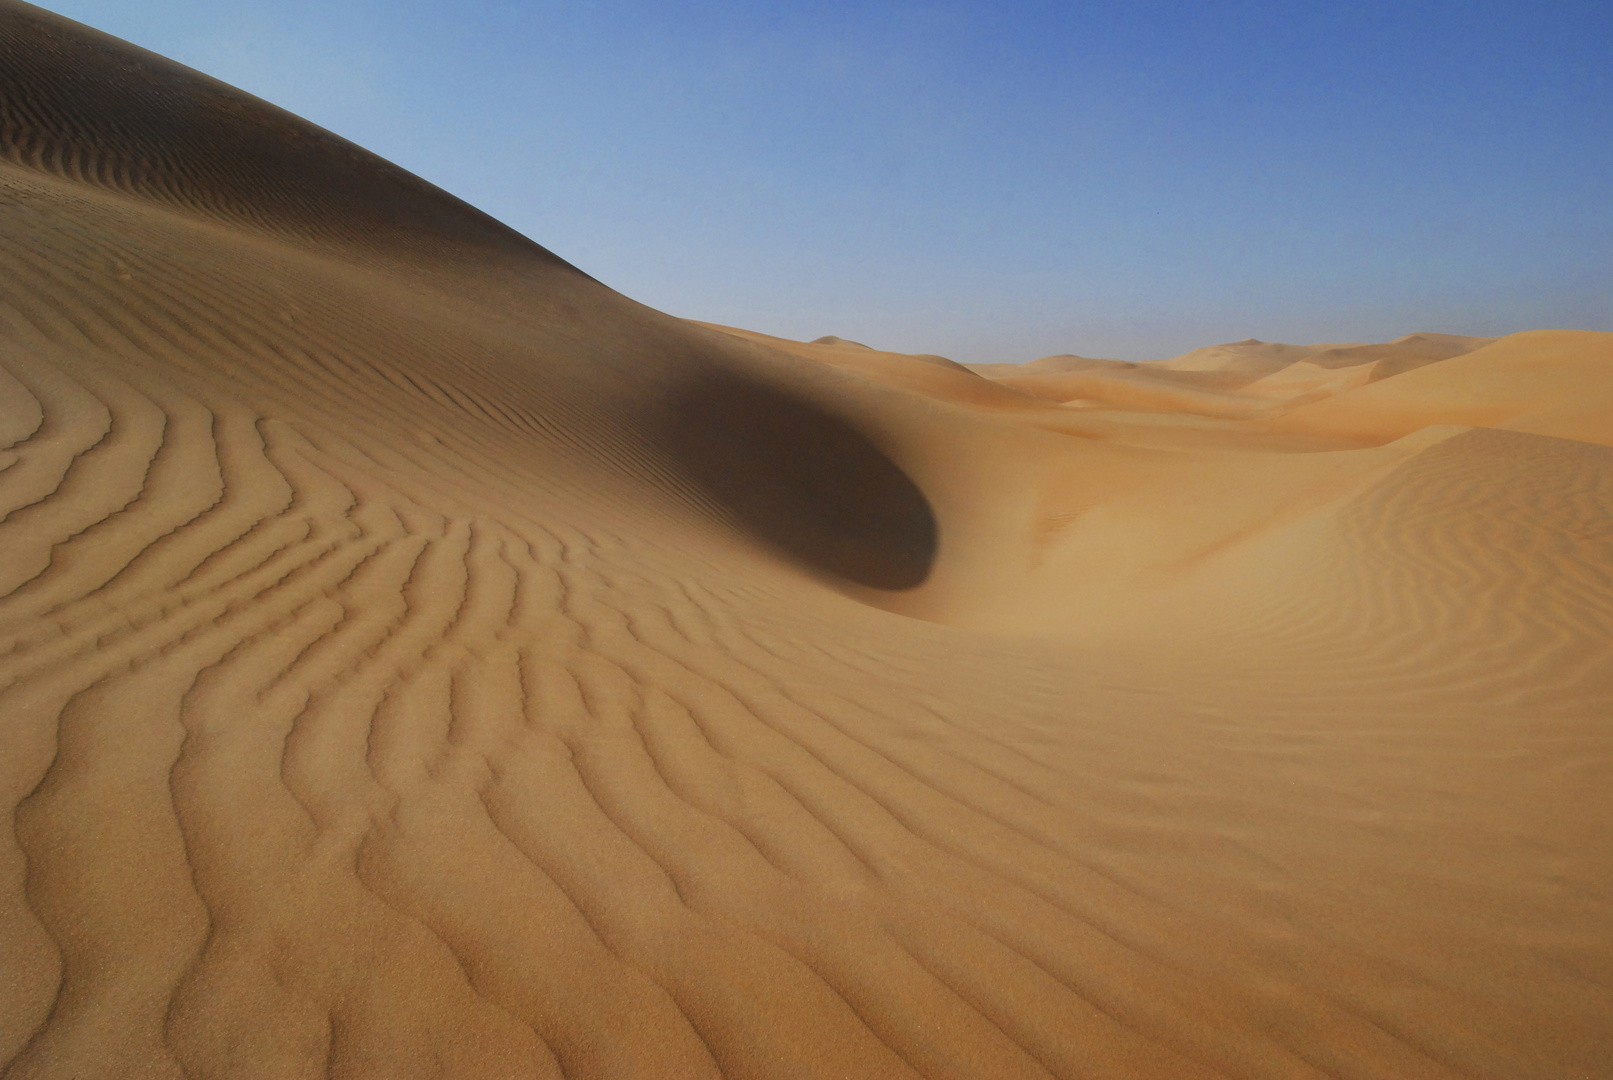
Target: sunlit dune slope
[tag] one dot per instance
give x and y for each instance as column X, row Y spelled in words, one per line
column 417, row 659
column 1546, row 383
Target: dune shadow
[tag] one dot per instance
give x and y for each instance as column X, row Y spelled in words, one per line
column 801, row 479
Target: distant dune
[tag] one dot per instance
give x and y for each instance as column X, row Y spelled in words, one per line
column 417, row 659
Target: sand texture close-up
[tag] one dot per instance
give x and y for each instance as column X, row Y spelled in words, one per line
column 419, row 660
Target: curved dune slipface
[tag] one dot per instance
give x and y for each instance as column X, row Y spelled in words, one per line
column 417, row 659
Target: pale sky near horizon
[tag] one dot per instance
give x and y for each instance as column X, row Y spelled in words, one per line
column 987, row 181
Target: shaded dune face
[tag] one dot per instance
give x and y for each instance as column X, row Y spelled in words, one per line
column 801, row 479
column 417, row 660
column 88, row 107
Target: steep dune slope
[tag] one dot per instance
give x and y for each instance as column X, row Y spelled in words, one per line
column 395, row 682
column 1547, row 382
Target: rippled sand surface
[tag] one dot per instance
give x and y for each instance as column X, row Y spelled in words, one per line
column 417, row 659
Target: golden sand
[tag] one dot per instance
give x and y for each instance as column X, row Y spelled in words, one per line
column 417, row 659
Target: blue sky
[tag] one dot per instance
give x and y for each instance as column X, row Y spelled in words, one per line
column 988, row 181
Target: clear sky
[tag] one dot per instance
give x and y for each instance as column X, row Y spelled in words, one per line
column 988, row 181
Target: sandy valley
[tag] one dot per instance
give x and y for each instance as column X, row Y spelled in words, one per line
column 418, row 659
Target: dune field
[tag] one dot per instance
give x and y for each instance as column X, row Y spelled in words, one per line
column 419, row 660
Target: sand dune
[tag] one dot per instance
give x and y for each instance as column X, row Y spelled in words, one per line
column 417, row 659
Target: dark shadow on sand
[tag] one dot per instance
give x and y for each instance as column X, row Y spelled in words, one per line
column 801, row 479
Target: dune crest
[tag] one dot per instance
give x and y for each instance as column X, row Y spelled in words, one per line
column 418, row 659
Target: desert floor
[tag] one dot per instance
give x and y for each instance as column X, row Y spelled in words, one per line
column 417, row 659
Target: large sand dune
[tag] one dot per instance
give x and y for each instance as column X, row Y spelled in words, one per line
column 417, row 659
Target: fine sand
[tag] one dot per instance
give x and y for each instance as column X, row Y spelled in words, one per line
column 418, row 660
